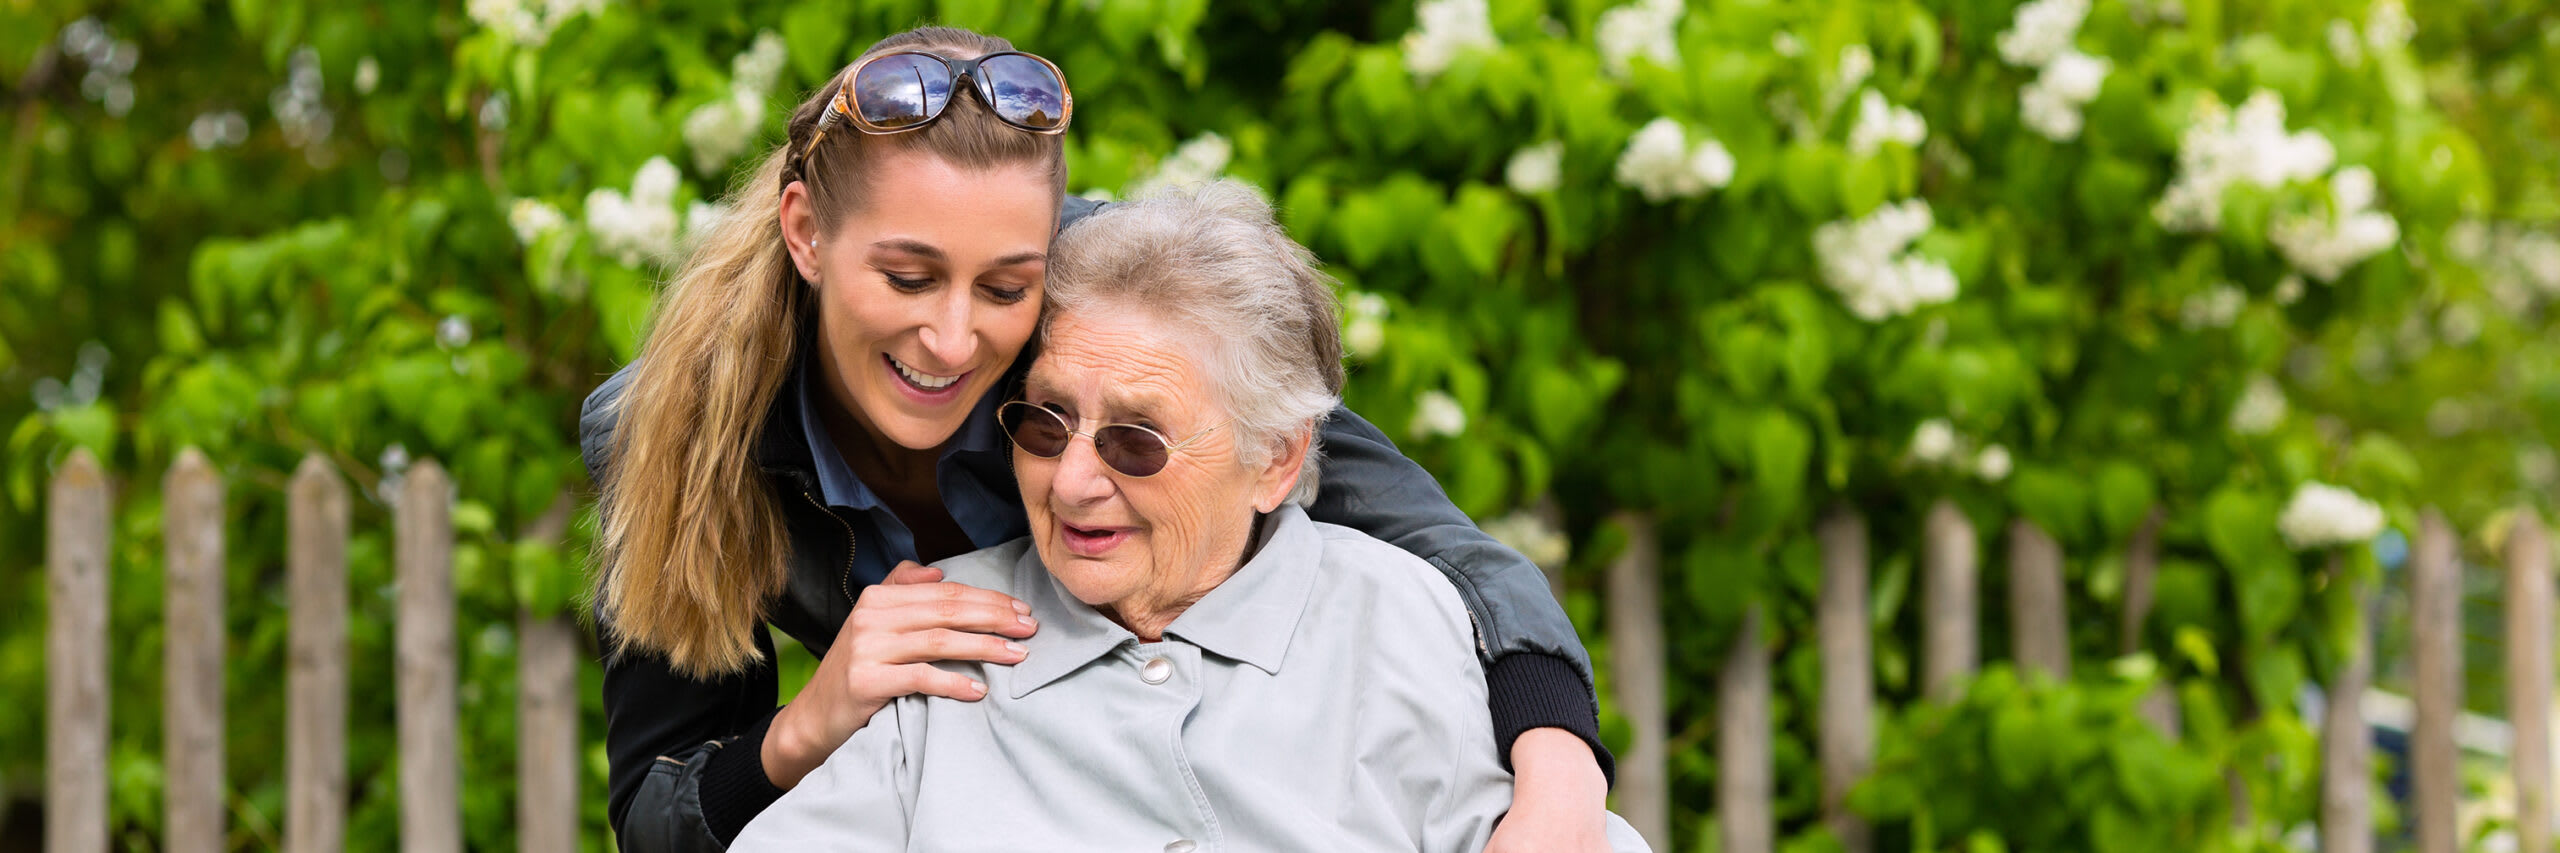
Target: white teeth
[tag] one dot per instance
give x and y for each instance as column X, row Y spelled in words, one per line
column 925, row 381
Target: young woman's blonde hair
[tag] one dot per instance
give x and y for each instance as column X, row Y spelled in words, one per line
column 692, row 546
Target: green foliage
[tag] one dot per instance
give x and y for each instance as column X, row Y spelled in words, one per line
column 386, row 291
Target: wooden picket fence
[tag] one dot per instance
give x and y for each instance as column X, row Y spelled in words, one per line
column 78, row 639
column 1950, row 574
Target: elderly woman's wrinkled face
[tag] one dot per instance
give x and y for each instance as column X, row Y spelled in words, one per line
column 1138, row 547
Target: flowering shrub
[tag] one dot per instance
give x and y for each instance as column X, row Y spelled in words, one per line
column 1729, row 263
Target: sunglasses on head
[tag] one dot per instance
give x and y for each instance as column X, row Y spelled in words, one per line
column 1130, row 449
column 903, row 90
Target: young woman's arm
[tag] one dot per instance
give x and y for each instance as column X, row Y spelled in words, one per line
column 1535, row 668
column 684, row 755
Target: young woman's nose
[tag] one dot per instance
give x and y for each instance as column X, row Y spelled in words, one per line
column 947, row 335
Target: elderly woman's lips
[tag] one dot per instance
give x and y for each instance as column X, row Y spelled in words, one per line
column 1091, row 541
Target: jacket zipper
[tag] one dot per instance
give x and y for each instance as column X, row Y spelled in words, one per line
column 843, row 581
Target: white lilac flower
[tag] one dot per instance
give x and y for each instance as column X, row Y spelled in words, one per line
column 1866, row 262
column 1646, row 28
column 1785, row 44
column 2075, row 76
column 1364, row 329
column 2215, row 307
column 2387, row 25
column 368, row 75
column 2042, row 30
column 453, row 332
column 1857, row 63
column 533, row 220
column 1992, row 464
column 2344, row 44
column 2223, row 147
column 719, row 131
column 2260, row 409
column 2048, row 113
column 2288, row 289
column 1660, row 163
column 760, row 65
column 218, row 130
column 1437, row 414
column 2537, row 255
column 2325, row 246
column 2051, row 104
column 1532, row 537
column 1879, row 122
column 527, row 22
column 1192, row 164
column 299, row 111
column 639, row 226
column 2322, row 515
column 1934, row 442
column 1444, row 29
column 1536, row 169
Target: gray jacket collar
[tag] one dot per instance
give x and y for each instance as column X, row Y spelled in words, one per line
column 1250, row 618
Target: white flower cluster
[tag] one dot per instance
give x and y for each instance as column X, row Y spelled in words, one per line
column 1661, row 163
column 642, row 225
column 527, row 22
column 299, row 113
column 110, row 60
column 1866, row 261
column 218, row 130
column 88, row 380
column 2387, row 25
column 1364, row 325
column 1533, row 537
column 2321, row 515
column 2223, row 147
column 1935, row 444
column 721, row 130
column 1536, row 169
column 368, row 75
column 453, row 332
column 1442, row 30
column 2042, row 30
column 2519, row 266
column 2325, row 246
column 533, row 220
column 1646, row 28
column 2260, row 409
column 1436, row 414
column 2040, row 38
column 1879, row 122
column 1191, row 164
column 2216, row 307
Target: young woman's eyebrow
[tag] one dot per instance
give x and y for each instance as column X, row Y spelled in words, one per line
column 918, row 248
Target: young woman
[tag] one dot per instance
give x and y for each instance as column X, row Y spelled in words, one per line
column 811, row 417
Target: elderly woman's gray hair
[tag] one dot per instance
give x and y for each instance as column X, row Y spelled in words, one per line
column 1213, row 264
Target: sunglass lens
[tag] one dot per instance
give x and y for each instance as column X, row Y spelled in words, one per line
column 902, row 89
column 1025, row 91
column 1036, row 430
column 1130, row 450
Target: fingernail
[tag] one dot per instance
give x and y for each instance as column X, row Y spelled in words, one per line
column 1027, row 621
column 977, row 688
column 1021, row 608
column 1015, row 648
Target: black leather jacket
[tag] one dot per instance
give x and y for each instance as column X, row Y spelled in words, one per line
column 686, row 754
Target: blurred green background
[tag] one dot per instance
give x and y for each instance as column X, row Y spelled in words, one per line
column 1727, row 265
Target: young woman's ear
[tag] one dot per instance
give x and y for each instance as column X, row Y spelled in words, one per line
column 800, row 230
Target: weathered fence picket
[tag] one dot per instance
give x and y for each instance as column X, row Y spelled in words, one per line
column 75, row 656
column 1847, row 728
column 1746, row 777
column 2346, row 742
column 2039, row 633
column 2435, row 602
column 192, row 715
column 315, row 806
column 1636, row 666
column 430, row 766
column 1950, row 592
column 2529, row 678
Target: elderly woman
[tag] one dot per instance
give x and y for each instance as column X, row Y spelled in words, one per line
column 1215, row 671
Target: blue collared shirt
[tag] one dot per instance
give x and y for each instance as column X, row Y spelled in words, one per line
column 1327, row 696
column 974, row 475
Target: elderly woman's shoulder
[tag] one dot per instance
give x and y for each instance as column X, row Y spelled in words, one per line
column 987, row 568
column 1370, row 566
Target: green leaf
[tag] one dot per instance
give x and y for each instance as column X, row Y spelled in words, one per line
column 1780, row 449
column 2125, row 495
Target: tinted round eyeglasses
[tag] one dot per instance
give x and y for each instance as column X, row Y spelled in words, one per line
column 903, row 90
column 1130, row 449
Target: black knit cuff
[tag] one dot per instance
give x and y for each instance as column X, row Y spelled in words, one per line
column 1537, row 691
column 734, row 787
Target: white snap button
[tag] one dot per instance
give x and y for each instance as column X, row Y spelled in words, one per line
column 1157, row 672
column 1182, row 846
